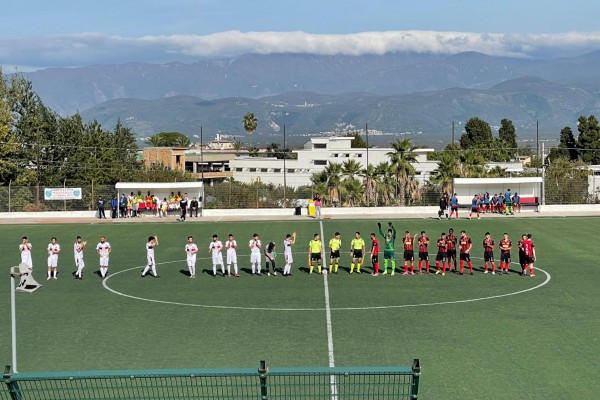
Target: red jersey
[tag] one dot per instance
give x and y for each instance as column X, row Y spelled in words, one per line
column 423, row 244
column 520, row 246
column 442, row 245
column 528, row 247
column 375, row 247
column 488, row 244
column 408, row 243
column 505, row 245
column 465, row 244
column 451, row 241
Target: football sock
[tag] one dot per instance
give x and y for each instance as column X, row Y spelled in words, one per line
column 405, row 267
column 154, row 270
column 470, row 266
column 462, row 266
column 310, row 269
column 493, row 267
column 144, row 271
column 393, row 262
column 258, row 268
column 228, row 268
column 444, row 267
column 427, row 265
column 253, row 268
column 79, row 270
column 412, row 267
column 214, row 269
column 385, row 263
column 235, row 268
column 49, row 273
column 376, row 265
column 485, row 266
column 319, row 268
column 223, row 269
column 357, row 267
column 351, row 267
column 336, row 267
column 420, row 265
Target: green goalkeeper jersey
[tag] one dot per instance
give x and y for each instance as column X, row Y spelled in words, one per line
column 389, row 241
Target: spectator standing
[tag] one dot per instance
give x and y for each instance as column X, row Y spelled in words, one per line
column 183, row 204
column 100, row 204
column 318, row 207
column 123, row 206
column 114, row 205
column 443, row 206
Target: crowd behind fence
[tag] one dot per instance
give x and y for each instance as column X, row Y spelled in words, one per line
column 578, row 190
column 339, row 383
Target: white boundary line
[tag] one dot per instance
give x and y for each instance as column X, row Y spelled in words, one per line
column 105, row 284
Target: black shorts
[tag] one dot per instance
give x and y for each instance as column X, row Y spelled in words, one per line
column 505, row 257
column 522, row 258
column 375, row 258
column 409, row 255
column 454, row 208
column 530, row 260
column 465, row 257
column 357, row 253
column 315, row 256
column 423, row 255
column 335, row 254
column 451, row 253
column 441, row 256
column 474, row 209
column 488, row 256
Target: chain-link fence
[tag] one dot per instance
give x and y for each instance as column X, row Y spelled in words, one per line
column 31, row 199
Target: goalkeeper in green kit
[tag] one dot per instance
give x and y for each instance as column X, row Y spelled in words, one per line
column 388, row 252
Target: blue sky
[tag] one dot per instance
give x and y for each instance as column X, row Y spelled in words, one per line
column 37, row 34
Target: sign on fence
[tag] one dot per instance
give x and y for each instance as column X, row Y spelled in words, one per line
column 62, row 194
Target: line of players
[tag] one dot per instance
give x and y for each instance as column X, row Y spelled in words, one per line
column 445, row 260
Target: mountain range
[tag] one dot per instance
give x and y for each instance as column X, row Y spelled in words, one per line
column 412, row 93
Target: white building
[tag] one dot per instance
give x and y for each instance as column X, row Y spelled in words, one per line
column 314, row 157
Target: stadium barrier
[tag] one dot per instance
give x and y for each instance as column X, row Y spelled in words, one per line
column 338, row 383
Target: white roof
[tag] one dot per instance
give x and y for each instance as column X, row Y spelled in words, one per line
column 158, row 185
column 488, row 181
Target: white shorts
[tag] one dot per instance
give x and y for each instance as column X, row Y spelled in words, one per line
column 104, row 261
column 288, row 258
column 27, row 260
column 79, row 262
column 217, row 259
column 150, row 260
column 191, row 261
column 231, row 257
column 53, row 260
column 254, row 258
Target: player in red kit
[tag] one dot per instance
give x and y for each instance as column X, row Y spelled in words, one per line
column 409, row 253
column 375, row 254
column 529, row 250
column 451, row 241
column 441, row 256
column 465, row 244
column 488, row 253
column 505, row 248
column 423, row 252
column 522, row 258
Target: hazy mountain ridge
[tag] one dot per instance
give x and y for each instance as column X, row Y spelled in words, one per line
column 427, row 114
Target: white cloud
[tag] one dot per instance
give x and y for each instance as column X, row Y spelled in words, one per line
column 96, row 48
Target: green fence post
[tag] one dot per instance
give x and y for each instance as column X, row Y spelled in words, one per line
column 414, row 387
column 13, row 386
column 262, row 373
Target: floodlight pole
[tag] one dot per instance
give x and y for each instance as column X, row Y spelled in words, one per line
column 13, row 319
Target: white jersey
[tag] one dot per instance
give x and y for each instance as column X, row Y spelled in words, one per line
column 215, row 248
column 53, row 250
column 190, row 250
column 254, row 245
column 78, row 251
column 287, row 250
column 25, row 250
column 231, row 245
column 103, row 249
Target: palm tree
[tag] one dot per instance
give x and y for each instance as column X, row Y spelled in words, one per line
column 250, row 123
column 334, row 179
column 472, row 164
column 237, row 146
column 354, row 191
column 350, row 169
column 400, row 161
column 385, row 182
column 370, row 183
column 448, row 168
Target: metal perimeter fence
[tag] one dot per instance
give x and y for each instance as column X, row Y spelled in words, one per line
column 337, row 383
column 577, row 189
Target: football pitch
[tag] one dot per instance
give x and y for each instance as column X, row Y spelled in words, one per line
column 478, row 337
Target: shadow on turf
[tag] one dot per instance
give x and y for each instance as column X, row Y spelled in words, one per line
column 186, row 272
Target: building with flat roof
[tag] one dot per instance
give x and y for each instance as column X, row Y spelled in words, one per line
column 314, row 157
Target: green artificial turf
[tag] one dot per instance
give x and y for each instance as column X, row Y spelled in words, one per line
column 536, row 344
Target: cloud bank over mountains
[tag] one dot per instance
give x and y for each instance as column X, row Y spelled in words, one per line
column 97, row 48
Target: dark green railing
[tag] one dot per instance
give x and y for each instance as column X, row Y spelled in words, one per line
column 339, row 383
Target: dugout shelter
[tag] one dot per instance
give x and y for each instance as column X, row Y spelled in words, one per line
column 163, row 189
column 529, row 188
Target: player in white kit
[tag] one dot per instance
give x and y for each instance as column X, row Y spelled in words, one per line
column 53, row 250
column 78, row 247
column 289, row 241
column 25, row 249
column 190, row 251
column 150, row 245
column 103, row 250
column 255, row 246
column 231, row 246
column 215, row 248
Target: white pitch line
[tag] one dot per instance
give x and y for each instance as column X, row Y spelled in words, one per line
column 105, row 284
column 330, row 353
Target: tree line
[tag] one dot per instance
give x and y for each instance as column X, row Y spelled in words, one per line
column 40, row 147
